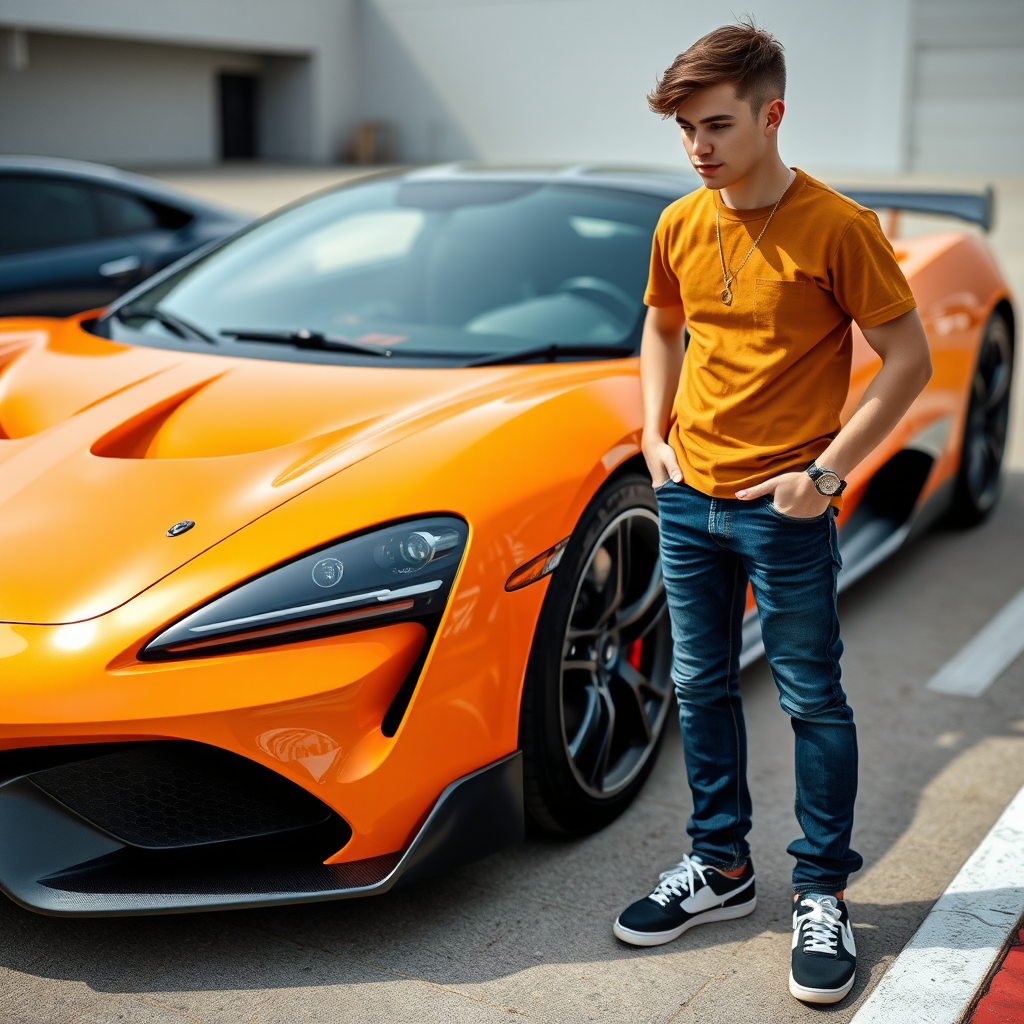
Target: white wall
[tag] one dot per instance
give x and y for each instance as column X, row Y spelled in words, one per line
column 287, row 130
column 553, row 80
column 968, row 96
column 393, row 87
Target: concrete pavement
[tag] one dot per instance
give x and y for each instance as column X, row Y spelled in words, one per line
column 528, row 931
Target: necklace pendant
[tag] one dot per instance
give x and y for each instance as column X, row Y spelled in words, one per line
column 727, row 295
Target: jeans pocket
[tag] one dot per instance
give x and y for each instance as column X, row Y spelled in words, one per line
column 770, row 505
column 662, row 486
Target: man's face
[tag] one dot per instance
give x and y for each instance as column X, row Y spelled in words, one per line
column 723, row 138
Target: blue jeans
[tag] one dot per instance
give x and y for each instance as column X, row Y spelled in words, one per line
column 710, row 548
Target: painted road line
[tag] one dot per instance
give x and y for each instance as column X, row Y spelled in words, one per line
column 981, row 662
column 942, row 967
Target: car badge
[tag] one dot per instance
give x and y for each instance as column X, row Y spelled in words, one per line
column 178, row 528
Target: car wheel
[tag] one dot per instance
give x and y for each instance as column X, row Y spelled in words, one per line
column 988, row 412
column 598, row 689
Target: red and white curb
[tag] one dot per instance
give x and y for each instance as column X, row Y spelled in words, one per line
column 1003, row 1003
column 940, row 971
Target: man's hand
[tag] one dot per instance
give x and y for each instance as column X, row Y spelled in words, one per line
column 661, row 460
column 794, row 495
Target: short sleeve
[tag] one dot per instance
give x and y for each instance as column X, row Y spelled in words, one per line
column 866, row 279
column 662, row 283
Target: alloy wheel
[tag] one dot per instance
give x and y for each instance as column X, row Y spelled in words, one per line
column 988, row 416
column 615, row 684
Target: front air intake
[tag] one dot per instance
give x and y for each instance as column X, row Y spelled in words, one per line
column 174, row 794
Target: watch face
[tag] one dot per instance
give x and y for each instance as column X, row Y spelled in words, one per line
column 828, row 483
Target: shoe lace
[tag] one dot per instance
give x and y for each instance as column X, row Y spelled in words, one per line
column 821, row 926
column 678, row 880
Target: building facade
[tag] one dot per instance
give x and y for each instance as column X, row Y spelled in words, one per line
column 177, row 82
column 882, row 85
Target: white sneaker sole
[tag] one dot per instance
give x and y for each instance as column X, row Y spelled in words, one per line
column 659, row 938
column 819, row 995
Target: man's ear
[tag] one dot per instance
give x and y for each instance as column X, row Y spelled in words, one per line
column 772, row 115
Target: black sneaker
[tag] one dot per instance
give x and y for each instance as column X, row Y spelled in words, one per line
column 691, row 893
column 824, row 953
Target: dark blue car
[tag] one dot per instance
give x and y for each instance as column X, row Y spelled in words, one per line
column 74, row 236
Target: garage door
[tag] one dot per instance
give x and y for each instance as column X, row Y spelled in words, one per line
column 967, row 105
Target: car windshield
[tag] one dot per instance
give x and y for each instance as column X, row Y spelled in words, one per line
column 432, row 271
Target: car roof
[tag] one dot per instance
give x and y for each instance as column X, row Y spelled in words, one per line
column 665, row 183
column 100, row 174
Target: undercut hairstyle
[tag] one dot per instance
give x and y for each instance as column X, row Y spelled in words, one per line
column 743, row 54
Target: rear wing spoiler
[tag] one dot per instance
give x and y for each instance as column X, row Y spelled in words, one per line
column 974, row 207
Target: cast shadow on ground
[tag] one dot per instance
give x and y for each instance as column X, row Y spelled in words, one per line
column 421, row 932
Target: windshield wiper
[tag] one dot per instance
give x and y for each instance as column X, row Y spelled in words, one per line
column 175, row 324
column 551, row 353
column 307, row 339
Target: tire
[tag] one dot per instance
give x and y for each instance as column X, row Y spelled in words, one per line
column 979, row 478
column 598, row 691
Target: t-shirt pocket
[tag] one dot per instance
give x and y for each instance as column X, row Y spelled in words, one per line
column 777, row 304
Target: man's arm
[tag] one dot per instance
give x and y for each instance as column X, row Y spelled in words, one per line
column 906, row 369
column 661, row 362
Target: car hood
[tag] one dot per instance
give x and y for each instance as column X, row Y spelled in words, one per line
column 104, row 447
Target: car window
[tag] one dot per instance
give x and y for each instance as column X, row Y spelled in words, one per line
column 124, row 214
column 460, row 269
column 36, row 214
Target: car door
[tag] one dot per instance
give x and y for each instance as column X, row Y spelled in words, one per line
column 156, row 230
column 57, row 257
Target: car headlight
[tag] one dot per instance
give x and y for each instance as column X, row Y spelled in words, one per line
column 399, row 572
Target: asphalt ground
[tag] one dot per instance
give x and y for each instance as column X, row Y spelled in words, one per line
column 528, row 931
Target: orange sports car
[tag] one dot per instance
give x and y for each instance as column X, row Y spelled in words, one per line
column 328, row 556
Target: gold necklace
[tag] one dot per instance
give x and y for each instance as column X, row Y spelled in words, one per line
column 728, row 276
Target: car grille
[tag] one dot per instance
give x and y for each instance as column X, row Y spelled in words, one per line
column 171, row 794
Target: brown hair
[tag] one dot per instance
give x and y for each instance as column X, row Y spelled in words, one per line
column 743, row 54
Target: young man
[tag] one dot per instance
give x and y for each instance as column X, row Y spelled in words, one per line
column 767, row 269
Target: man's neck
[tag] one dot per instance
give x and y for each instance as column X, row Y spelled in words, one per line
column 763, row 186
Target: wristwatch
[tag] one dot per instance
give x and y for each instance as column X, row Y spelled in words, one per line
column 826, row 481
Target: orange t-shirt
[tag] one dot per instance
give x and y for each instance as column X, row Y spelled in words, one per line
column 765, row 378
